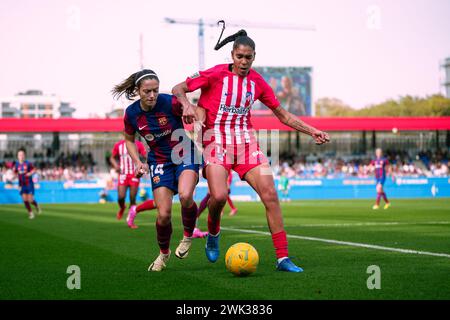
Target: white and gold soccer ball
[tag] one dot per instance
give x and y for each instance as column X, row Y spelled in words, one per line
column 241, row 259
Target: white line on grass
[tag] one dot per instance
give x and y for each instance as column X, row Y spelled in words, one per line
column 362, row 224
column 347, row 243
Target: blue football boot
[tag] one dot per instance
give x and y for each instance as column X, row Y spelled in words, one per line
column 212, row 247
column 288, row 265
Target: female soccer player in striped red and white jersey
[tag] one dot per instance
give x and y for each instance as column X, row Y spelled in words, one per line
column 121, row 161
column 227, row 93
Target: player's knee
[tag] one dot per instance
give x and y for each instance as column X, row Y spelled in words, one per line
column 219, row 197
column 268, row 195
column 185, row 199
column 164, row 217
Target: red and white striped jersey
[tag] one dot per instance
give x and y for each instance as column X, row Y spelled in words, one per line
column 228, row 99
column 126, row 163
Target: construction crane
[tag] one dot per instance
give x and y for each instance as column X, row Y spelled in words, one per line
column 202, row 23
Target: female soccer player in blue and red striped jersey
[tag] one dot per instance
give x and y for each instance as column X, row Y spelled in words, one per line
column 171, row 162
column 227, row 93
column 379, row 165
column 25, row 170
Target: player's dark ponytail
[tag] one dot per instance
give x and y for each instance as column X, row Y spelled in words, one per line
column 239, row 38
column 130, row 85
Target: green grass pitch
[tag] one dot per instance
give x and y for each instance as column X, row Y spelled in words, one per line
column 113, row 259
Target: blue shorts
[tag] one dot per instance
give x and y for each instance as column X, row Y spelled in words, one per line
column 167, row 174
column 27, row 189
column 380, row 180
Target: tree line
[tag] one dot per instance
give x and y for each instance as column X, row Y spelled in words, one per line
column 405, row 106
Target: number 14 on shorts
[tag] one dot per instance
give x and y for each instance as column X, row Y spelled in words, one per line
column 158, row 169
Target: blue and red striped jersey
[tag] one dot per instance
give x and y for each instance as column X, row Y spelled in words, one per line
column 21, row 169
column 380, row 167
column 157, row 126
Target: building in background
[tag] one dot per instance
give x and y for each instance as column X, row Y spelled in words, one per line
column 35, row 104
column 446, row 67
column 116, row 112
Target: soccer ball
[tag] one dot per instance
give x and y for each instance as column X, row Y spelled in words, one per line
column 241, row 259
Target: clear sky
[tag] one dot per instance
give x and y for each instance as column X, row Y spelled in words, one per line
column 362, row 52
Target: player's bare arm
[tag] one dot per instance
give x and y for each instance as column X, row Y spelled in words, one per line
column 294, row 122
column 179, row 91
column 141, row 168
column 114, row 163
column 29, row 174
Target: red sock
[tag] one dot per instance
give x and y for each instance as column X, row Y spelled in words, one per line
column 385, row 198
column 230, row 203
column 213, row 224
column 27, row 205
column 147, row 205
column 378, row 198
column 203, row 205
column 189, row 217
column 163, row 234
column 280, row 243
column 35, row 204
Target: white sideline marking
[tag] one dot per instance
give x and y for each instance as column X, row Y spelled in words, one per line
column 347, row 243
column 361, row 224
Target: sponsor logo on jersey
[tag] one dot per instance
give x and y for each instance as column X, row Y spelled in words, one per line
column 234, row 110
column 195, row 75
column 151, row 137
column 156, row 179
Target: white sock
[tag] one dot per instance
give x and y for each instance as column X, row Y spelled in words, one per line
column 281, row 259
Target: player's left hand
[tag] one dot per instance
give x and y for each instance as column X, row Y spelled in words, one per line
column 141, row 169
column 189, row 115
column 320, row 137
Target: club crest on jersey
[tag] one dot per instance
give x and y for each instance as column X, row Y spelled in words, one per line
column 149, row 137
column 162, row 121
column 249, row 98
column 156, row 179
column 195, row 75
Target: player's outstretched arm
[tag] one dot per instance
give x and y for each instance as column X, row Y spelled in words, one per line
column 141, row 168
column 294, row 122
column 179, row 91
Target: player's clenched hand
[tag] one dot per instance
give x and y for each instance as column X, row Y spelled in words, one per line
column 320, row 137
column 201, row 117
column 189, row 115
column 141, row 169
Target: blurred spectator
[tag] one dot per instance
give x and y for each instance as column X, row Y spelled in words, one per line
column 424, row 164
